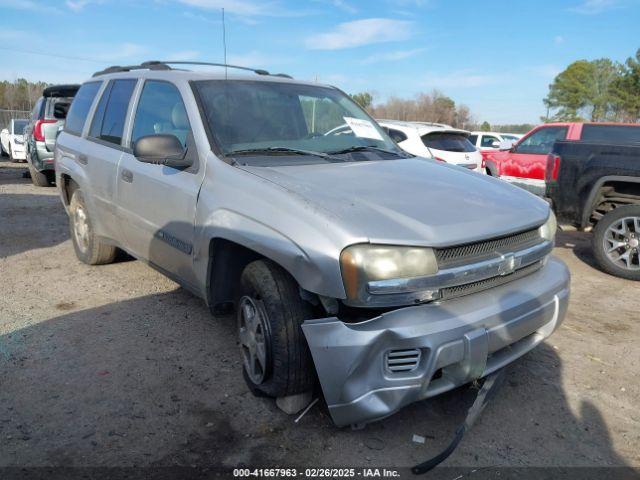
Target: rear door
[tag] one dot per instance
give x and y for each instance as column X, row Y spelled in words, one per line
column 157, row 203
column 104, row 150
column 528, row 158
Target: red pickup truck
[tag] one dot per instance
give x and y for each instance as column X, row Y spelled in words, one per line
column 525, row 163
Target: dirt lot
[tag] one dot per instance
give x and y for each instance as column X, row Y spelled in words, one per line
column 118, row 366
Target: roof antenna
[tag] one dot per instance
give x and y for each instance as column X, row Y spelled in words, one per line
column 224, row 44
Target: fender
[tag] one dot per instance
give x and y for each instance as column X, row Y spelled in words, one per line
column 490, row 164
column 591, row 198
column 256, row 236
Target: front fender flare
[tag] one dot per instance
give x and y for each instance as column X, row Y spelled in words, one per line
column 303, row 265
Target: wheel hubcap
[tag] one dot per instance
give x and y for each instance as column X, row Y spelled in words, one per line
column 622, row 241
column 252, row 333
column 81, row 228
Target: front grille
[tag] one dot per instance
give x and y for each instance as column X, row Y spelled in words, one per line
column 461, row 290
column 473, row 252
column 398, row 361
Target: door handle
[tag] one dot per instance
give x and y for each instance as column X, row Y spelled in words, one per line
column 127, row 175
column 82, row 158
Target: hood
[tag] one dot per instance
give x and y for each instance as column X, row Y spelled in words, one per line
column 410, row 202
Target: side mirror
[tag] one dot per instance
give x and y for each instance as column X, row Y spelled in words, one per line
column 161, row 149
column 505, row 145
column 495, row 144
column 60, row 110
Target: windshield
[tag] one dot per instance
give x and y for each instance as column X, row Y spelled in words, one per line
column 304, row 123
column 448, row 141
column 18, row 126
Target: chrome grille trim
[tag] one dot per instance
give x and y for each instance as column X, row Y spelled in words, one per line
column 472, row 252
column 475, row 287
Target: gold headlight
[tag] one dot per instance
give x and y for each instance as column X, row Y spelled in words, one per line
column 548, row 230
column 364, row 263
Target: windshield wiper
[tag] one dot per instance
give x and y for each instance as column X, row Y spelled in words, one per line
column 365, row 148
column 267, row 150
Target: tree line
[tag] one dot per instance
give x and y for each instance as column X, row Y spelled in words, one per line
column 597, row 90
column 425, row 107
column 20, row 94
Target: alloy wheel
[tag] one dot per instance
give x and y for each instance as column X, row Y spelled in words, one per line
column 253, row 335
column 622, row 243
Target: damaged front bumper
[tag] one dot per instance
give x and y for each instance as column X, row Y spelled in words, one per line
column 371, row 369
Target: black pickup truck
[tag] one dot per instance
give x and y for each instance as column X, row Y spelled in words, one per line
column 597, row 186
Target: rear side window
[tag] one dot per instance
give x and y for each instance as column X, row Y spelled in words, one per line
column 80, row 107
column 161, row 111
column 611, row 133
column 449, row 142
column 396, row 135
column 473, row 139
column 111, row 113
column 487, row 140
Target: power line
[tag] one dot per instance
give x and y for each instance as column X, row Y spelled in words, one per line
column 65, row 57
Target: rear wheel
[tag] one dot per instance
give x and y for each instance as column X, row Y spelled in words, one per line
column 88, row 247
column 270, row 312
column 616, row 242
column 39, row 179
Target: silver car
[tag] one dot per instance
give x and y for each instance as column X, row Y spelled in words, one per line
column 388, row 277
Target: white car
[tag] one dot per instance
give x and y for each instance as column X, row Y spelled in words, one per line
column 493, row 140
column 435, row 140
column 12, row 139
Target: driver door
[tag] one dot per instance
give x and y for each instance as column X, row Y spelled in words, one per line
column 528, row 158
column 157, row 203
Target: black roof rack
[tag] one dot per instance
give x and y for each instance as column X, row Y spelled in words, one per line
column 164, row 65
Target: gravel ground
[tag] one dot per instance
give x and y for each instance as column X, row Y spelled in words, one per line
column 118, row 366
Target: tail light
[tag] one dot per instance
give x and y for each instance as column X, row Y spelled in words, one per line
column 553, row 167
column 37, row 129
column 440, row 159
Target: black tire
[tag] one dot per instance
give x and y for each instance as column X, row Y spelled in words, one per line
column 39, row 179
column 598, row 243
column 89, row 249
column 289, row 366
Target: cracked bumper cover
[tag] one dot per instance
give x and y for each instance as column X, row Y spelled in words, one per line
column 461, row 340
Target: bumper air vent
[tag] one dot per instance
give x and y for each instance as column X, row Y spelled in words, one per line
column 401, row 361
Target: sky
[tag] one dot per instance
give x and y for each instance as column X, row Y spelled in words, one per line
column 498, row 57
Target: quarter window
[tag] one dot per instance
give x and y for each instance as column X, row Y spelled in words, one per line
column 110, row 116
column 161, row 111
column 541, row 142
column 80, row 107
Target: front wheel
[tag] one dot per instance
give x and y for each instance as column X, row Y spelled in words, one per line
column 276, row 358
column 88, row 247
column 616, row 242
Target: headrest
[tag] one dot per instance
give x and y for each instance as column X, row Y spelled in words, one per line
column 179, row 117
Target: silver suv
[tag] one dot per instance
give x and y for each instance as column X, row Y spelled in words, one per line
column 392, row 278
column 47, row 118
